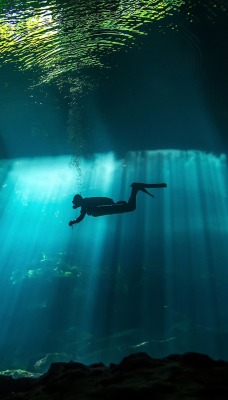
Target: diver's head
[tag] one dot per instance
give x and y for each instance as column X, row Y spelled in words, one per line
column 77, row 201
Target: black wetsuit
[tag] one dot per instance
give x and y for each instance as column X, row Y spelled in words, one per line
column 97, row 206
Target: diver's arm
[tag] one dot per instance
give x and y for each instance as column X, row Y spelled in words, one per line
column 79, row 219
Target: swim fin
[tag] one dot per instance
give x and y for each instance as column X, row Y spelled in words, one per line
column 143, row 186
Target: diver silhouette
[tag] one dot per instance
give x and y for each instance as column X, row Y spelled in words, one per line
column 98, row 206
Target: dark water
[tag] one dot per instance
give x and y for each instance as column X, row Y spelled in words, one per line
column 94, row 96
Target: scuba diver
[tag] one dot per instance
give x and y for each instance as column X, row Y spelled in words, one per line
column 98, row 206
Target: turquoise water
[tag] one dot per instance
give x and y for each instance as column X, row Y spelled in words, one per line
column 92, row 99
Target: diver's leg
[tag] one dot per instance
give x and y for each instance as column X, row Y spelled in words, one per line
column 131, row 205
column 141, row 186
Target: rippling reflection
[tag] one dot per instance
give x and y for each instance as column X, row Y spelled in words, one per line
column 63, row 37
column 66, row 38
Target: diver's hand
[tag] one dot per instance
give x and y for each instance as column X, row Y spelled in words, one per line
column 71, row 223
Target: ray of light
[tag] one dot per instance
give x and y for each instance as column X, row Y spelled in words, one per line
column 153, row 279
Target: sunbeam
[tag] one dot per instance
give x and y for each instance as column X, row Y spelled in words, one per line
column 152, row 278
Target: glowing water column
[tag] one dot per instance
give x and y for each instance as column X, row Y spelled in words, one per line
column 182, row 235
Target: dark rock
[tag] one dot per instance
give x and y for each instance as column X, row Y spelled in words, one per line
column 138, row 376
column 197, row 360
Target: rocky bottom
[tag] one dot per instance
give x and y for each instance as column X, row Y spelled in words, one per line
column 138, row 376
